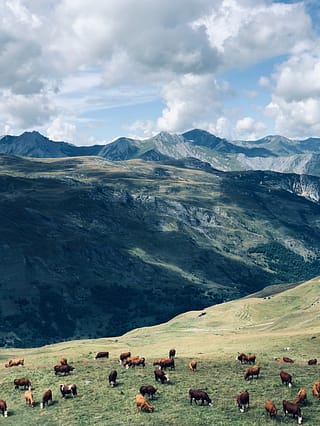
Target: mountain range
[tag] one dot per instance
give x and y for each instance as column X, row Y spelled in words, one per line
column 275, row 153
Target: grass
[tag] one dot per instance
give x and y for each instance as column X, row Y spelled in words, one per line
column 248, row 325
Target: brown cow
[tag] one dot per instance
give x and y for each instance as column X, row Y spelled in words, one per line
column 301, row 397
column 242, row 358
column 167, row 363
column 63, row 369
column 294, row 409
column 102, row 355
column 148, row 390
column 286, row 378
column 22, row 382
column 68, row 390
column 63, row 361
column 135, row 361
column 3, row 408
column 193, row 365
column 162, row 376
column 316, row 389
column 251, row 372
column 312, row 361
column 285, row 359
column 251, row 358
column 197, row 394
column 15, row 362
column 29, row 398
column 242, row 401
column 46, row 397
column 271, row 408
column 113, row 378
column 172, row 353
column 123, row 356
column 143, row 404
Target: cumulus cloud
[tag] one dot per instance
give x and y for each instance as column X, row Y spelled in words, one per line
column 248, row 128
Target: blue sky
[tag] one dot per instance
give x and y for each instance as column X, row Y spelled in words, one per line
column 88, row 72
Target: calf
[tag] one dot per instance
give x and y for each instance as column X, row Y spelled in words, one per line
column 172, row 353
column 113, row 378
column 193, row 365
column 197, row 394
column 3, row 408
column 46, row 397
column 148, row 390
column 161, row 376
column 242, row 401
column 63, row 369
column 286, row 378
column 271, row 409
column 301, row 397
column 102, row 355
column 312, row 361
column 124, row 356
column 251, row 372
column 291, row 408
column 15, row 362
column 68, row 390
column 143, row 404
column 29, row 398
column 22, row 382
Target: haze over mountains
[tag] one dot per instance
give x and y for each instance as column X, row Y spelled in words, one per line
column 96, row 240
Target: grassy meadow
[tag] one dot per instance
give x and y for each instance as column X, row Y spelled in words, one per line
column 284, row 324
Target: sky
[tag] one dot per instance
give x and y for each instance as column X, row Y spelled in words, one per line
column 87, row 72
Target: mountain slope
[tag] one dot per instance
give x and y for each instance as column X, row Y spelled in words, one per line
column 92, row 247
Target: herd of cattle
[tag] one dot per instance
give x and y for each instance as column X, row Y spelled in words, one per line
column 161, row 375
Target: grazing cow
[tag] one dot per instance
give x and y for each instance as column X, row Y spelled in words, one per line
column 251, row 358
column 291, row 408
column 63, row 361
column 301, row 397
column 193, row 365
column 143, row 404
column 251, row 372
column 102, row 355
column 29, row 398
column 242, row 401
column 161, row 376
column 312, row 361
column 148, row 390
column 22, row 382
column 167, row 363
column 3, row 408
column 242, row 358
column 113, row 378
column 46, row 397
column 63, row 369
column 68, row 390
column 124, row 356
column 286, row 378
column 316, row 389
column 15, row 362
column 172, row 353
column 271, row 409
column 133, row 362
column 197, row 394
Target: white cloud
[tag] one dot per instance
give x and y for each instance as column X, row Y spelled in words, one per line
column 248, row 128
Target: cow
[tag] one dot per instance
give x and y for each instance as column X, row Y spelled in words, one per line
column 102, row 355
column 251, row 359
column 242, row 401
column 113, row 378
column 166, row 363
column 242, row 358
column 123, row 356
column 193, row 365
column 22, row 382
column 143, row 404
column 68, row 390
column 172, row 353
column 285, row 359
column 63, row 361
column 63, row 369
column 133, row 362
column 46, row 397
column 286, row 378
column 251, row 372
column 29, row 398
column 161, row 376
column 15, row 362
column 3, row 408
column 312, row 361
column 316, row 389
column 148, row 390
column 291, row 408
column 271, row 409
column 197, row 394
column 301, row 397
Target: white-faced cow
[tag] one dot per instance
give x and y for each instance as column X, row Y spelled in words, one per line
column 242, row 401
column 3, row 408
column 113, row 378
column 22, row 382
column 68, row 390
column 197, row 395
column 294, row 409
